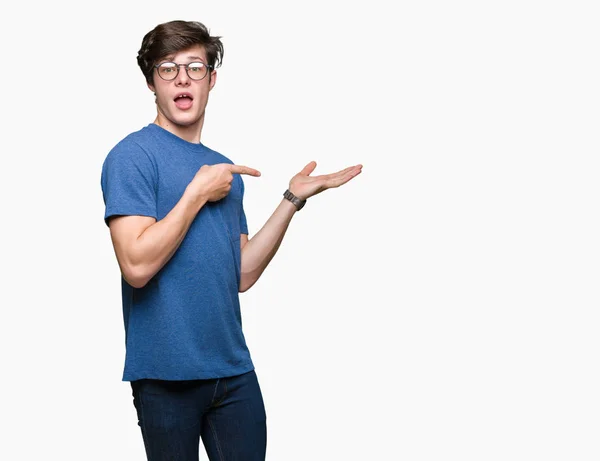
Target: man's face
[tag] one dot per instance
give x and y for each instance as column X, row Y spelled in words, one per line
column 181, row 101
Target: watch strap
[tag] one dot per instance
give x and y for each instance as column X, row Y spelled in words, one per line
column 299, row 203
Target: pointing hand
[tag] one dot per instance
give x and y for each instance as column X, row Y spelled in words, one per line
column 214, row 181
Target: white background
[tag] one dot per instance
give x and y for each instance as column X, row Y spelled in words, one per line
column 442, row 305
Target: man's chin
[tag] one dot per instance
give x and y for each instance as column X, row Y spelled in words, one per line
column 186, row 122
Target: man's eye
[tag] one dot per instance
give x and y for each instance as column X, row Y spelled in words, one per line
column 196, row 67
column 167, row 68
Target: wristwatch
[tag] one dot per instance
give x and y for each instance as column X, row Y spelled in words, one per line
column 295, row 200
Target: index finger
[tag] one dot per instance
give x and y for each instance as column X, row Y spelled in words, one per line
column 241, row 169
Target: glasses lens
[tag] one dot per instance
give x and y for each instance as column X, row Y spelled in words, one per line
column 197, row 70
column 168, row 70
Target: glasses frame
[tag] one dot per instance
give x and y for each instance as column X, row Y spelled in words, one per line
column 208, row 69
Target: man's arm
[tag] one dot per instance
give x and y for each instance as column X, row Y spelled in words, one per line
column 258, row 251
column 143, row 245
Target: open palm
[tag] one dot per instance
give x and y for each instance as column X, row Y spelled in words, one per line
column 303, row 185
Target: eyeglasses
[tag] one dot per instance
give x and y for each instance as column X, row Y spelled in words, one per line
column 195, row 70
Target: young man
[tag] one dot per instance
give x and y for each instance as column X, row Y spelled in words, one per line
column 175, row 212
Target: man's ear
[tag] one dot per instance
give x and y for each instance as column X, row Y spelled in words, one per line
column 213, row 79
column 151, row 86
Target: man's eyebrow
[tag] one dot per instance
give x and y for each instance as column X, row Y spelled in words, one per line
column 171, row 57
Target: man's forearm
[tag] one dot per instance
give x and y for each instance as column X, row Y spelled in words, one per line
column 155, row 246
column 261, row 248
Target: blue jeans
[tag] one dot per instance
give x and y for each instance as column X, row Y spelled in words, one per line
column 227, row 413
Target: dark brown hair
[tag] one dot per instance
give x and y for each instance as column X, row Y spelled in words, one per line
column 173, row 37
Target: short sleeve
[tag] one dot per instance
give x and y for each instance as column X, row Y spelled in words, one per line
column 129, row 182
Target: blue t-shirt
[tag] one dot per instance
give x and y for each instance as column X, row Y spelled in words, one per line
column 186, row 322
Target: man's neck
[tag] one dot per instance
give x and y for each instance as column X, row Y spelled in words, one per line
column 191, row 133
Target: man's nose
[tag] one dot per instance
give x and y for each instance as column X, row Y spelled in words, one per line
column 182, row 76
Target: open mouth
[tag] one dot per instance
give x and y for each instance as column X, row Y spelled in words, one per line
column 183, row 101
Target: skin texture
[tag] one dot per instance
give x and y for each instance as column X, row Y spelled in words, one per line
column 143, row 245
